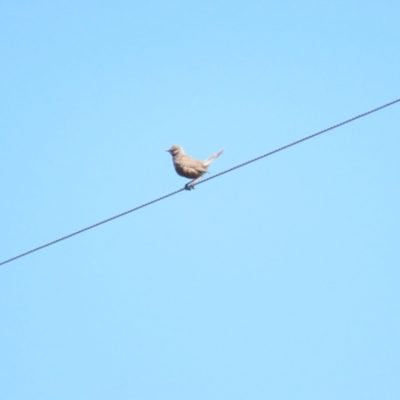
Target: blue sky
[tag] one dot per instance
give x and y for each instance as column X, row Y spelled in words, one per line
column 279, row 280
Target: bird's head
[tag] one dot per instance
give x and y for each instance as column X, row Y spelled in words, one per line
column 175, row 150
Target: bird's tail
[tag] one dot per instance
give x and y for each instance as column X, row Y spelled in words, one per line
column 213, row 157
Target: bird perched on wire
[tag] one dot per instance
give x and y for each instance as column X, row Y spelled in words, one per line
column 189, row 167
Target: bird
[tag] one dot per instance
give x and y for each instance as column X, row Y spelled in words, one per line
column 189, row 167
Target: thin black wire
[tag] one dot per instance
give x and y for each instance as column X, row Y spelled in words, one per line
column 91, row 227
column 204, row 180
column 298, row 141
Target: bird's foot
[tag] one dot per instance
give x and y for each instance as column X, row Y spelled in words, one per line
column 189, row 186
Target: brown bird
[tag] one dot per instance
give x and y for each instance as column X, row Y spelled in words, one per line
column 189, row 167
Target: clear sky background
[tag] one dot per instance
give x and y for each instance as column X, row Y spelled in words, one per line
column 276, row 281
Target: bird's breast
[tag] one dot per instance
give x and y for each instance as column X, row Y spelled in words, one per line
column 188, row 172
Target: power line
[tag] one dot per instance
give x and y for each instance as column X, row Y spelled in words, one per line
column 298, row 141
column 91, row 227
column 202, row 181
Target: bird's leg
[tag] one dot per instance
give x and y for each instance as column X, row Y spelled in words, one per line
column 190, row 185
